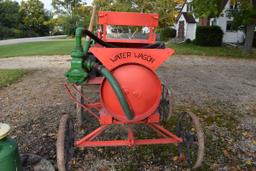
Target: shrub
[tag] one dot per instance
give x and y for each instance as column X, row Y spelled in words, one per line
column 7, row 33
column 167, row 33
column 188, row 41
column 209, row 36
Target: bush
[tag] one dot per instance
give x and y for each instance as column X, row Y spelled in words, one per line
column 167, row 33
column 9, row 33
column 209, row 36
column 188, row 41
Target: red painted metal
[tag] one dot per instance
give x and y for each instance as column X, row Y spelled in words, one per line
column 134, row 69
column 166, row 131
column 95, row 133
column 142, row 98
column 168, row 138
column 73, row 97
column 114, row 143
column 128, row 19
column 130, row 137
column 114, row 57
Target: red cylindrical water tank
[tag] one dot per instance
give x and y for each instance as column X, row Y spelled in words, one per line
column 142, row 89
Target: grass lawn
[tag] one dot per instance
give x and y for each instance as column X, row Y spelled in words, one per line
column 191, row 49
column 62, row 47
column 9, row 76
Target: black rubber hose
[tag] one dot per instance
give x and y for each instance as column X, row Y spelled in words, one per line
column 98, row 40
column 106, row 44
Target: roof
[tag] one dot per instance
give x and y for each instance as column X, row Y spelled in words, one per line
column 185, row 1
column 221, row 6
column 188, row 17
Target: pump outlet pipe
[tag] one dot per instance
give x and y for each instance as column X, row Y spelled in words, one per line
column 115, row 86
column 101, row 69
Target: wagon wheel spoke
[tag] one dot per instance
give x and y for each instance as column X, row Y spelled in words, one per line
column 65, row 143
column 192, row 148
column 166, row 104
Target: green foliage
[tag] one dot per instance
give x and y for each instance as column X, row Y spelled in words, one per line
column 34, row 17
column 167, row 33
column 9, row 14
column 209, row 36
column 188, row 41
column 246, row 16
column 72, row 13
column 66, row 7
column 207, row 8
column 9, row 76
column 9, row 20
column 165, row 8
column 29, row 19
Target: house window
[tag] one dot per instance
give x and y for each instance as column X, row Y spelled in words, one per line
column 229, row 27
column 214, row 22
column 189, row 7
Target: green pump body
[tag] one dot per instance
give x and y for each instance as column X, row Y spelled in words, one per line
column 77, row 72
column 81, row 63
column 9, row 155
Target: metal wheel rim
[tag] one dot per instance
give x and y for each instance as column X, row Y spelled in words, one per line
column 200, row 139
column 65, row 142
column 166, row 105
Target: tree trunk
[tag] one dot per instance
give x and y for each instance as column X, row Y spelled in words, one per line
column 247, row 49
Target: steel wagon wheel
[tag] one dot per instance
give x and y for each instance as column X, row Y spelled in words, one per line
column 65, row 143
column 166, row 104
column 191, row 149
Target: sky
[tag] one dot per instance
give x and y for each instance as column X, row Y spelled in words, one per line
column 47, row 3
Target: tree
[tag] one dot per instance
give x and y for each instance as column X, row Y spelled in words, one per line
column 66, row 7
column 34, row 17
column 115, row 5
column 9, row 14
column 246, row 16
column 206, row 8
column 72, row 13
column 9, row 19
column 166, row 8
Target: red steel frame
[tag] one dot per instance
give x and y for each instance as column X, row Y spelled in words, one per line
column 157, row 56
column 150, row 20
column 166, row 137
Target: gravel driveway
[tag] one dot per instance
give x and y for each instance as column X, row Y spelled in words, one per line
column 34, row 105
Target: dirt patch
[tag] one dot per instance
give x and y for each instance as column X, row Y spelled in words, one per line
column 222, row 92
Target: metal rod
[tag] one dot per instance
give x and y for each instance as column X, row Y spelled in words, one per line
column 166, row 132
column 90, row 135
column 112, row 143
column 157, row 131
column 80, row 104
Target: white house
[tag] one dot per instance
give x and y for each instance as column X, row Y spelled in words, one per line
column 186, row 23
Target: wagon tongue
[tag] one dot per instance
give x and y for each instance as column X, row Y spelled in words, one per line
column 113, row 57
